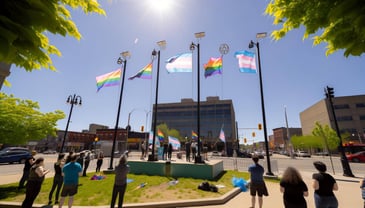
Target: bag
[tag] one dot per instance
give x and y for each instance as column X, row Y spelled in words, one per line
column 205, row 186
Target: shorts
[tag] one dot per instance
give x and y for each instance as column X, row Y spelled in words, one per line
column 259, row 189
column 69, row 190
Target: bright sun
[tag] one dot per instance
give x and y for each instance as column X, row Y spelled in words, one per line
column 160, row 5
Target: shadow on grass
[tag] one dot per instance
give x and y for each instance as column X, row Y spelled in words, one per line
column 10, row 191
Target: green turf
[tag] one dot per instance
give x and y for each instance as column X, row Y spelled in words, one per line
column 98, row 192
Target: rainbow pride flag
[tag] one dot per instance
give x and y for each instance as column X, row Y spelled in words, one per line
column 109, row 79
column 246, row 61
column 160, row 135
column 194, row 135
column 214, row 66
column 144, row 73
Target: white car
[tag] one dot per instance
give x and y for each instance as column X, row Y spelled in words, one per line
column 302, row 154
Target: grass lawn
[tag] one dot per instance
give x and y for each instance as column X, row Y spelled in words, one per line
column 157, row 188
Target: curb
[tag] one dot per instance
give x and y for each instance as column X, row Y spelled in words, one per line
column 168, row 204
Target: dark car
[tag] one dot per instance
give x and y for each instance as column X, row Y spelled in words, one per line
column 244, row 154
column 14, row 156
column 356, row 157
column 14, row 149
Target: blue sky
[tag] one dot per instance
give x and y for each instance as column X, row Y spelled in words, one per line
column 294, row 71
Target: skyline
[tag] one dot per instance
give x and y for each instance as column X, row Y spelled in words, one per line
column 294, row 72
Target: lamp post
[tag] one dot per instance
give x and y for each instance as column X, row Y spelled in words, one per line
column 344, row 162
column 120, row 61
column 251, row 45
column 199, row 35
column 73, row 100
column 162, row 45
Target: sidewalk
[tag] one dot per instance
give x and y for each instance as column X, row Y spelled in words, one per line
column 348, row 195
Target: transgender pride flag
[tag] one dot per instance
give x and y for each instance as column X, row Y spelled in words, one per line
column 174, row 142
column 180, row 63
column 246, row 61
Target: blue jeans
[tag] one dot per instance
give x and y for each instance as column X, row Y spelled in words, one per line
column 325, row 201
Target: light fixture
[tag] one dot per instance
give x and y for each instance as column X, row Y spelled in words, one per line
column 200, row 34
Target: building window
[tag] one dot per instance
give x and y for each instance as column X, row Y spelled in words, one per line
column 344, row 118
column 360, row 105
column 362, row 117
column 342, row 106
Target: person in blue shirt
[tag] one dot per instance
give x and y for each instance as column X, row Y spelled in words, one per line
column 257, row 183
column 71, row 173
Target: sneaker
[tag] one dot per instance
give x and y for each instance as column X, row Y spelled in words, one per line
column 50, row 202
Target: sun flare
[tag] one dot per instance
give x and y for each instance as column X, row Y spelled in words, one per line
column 160, row 5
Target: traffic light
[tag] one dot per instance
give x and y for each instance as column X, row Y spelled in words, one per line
column 259, row 126
column 245, row 140
column 253, row 134
column 142, row 128
column 329, row 92
column 96, row 139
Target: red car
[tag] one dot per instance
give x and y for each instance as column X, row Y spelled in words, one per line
column 356, row 157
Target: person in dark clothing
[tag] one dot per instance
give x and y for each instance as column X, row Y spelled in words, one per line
column 169, row 151
column 324, row 185
column 33, row 187
column 86, row 163
column 68, row 158
column 99, row 161
column 57, row 179
column 193, row 149
column 187, row 151
column 143, row 149
column 120, row 181
column 27, row 165
column 80, row 159
column 294, row 189
column 363, row 190
column 165, row 150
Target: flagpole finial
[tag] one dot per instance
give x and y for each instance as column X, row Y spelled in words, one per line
column 224, row 49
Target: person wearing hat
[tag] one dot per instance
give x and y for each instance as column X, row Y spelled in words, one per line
column 324, row 185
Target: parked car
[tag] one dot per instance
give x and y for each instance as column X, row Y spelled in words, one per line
column 14, row 156
column 14, row 149
column 243, row 154
column 356, row 157
column 300, row 153
column 50, row 152
column 322, row 153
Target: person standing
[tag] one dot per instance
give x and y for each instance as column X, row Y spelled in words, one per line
column 143, row 149
column 257, row 184
column 165, row 150
column 27, row 165
column 80, row 159
column 71, row 172
column 205, row 151
column 33, row 187
column 57, row 179
column 99, row 161
column 193, row 150
column 120, row 181
column 294, row 189
column 169, row 151
column 324, row 185
column 86, row 163
column 187, row 150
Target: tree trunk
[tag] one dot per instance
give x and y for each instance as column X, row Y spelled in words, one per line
column 4, row 72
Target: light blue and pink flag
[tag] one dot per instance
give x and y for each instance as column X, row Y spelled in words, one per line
column 176, row 145
column 144, row 73
column 180, row 63
column 246, row 61
column 109, row 79
column 150, row 140
column 222, row 137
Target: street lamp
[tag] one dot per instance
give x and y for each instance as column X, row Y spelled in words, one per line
column 162, row 45
column 251, row 45
column 73, row 100
column 345, row 163
column 121, row 61
column 198, row 36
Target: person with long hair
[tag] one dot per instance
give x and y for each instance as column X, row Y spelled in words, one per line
column 34, row 184
column 99, row 161
column 324, row 185
column 294, row 189
column 120, row 181
column 57, row 179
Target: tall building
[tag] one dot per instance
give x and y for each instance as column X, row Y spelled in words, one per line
column 350, row 113
column 214, row 115
column 280, row 140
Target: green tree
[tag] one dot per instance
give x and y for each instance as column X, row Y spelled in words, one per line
column 338, row 23
column 306, row 142
column 21, row 120
column 328, row 136
column 169, row 132
column 25, row 23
